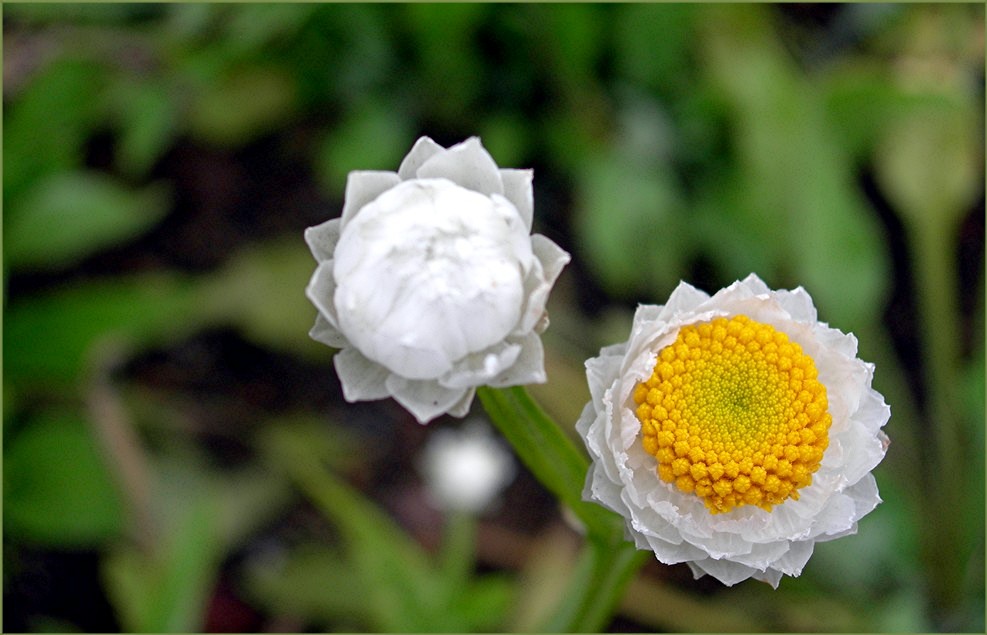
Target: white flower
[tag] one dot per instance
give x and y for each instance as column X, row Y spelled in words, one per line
column 430, row 282
column 760, row 430
column 465, row 469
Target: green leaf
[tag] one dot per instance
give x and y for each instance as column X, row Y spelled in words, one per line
column 794, row 185
column 148, row 120
column 374, row 137
column 167, row 591
column 262, row 291
column 628, row 225
column 241, row 104
column 48, row 337
column 56, row 485
column 397, row 576
column 482, row 604
column 311, row 582
column 71, row 215
column 46, row 125
column 400, row 588
column 653, row 43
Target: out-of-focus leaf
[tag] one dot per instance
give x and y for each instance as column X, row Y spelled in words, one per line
column 56, row 487
column 310, row 582
column 241, row 104
column 166, row 592
column 70, row 215
column 482, row 604
column 79, row 12
column 148, row 120
column 262, row 291
column 902, row 612
column 860, row 101
column 47, row 337
column 628, row 225
column 436, row 30
column 46, row 126
column 793, row 175
column 374, row 137
column 930, row 164
column 506, row 137
column 403, row 589
column 388, row 564
column 653, row 43
column 574, row 31
column 252, row 27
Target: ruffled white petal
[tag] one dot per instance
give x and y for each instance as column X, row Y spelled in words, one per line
column 528, row 368
column 362, row 379
column 320, row 291
column 423, row 150
column 518, row 190
column 425, row 399
column 466, row 164
column 363, row 187
column 322, row 239
column 480, row 368
column 325, row 332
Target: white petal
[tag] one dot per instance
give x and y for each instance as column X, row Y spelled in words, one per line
column 462, row 407
column 771, row 576
column 320, row 291
column 423, row 150
column 480, row 368
column 362, row 187
column 322, row 239
column 518, row 190
column 727, row 572
column 528, row 368
column 418, row 310
column 362, row 379
column 684, row 298
column 553, row 258
column 798, row 304
column 794, row 559
column 467, row 164
column 324, row 331
column 426, row 400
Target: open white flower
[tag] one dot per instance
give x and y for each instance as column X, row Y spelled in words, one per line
column 466, row 469
column 430, row 281
column 734, row 432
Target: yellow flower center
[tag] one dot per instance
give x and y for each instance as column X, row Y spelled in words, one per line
column 734, row 414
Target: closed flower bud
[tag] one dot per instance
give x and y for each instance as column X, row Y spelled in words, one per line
column 431, row 284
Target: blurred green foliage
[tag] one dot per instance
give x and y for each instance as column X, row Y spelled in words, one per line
column 837, row 147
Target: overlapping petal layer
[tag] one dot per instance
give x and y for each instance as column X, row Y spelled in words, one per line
column 747, row 541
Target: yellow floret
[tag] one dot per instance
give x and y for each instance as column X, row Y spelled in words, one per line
column 734, row 414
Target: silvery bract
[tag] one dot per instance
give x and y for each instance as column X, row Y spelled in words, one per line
column 747, row 542
column 430, row 283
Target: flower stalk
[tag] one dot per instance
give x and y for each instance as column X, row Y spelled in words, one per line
column 607, row 562
column 550, row 455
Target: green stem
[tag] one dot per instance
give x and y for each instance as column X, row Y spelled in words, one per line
column 602, row 574
column 936, row 287
column 607, row 562
column 457, row 555
column 550, row 455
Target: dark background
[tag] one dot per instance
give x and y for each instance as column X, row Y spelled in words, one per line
column 162, row 160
